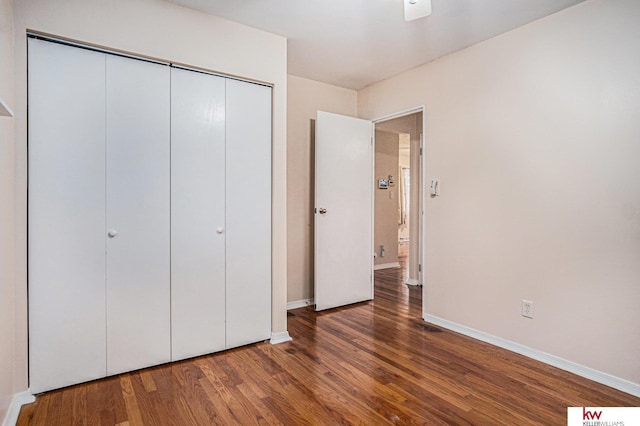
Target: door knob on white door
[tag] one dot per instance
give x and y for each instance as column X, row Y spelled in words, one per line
column 112, row 233
column 322, row 210
column 220, row 230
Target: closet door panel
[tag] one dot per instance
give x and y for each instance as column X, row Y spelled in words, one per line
column 197, row 214
column 248, row 212
column 66, row 215
column 138, row 214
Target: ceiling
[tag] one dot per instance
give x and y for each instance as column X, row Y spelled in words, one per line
column 354, row 43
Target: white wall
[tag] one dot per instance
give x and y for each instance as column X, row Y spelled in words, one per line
column 305, row 98
column 385, row 229
column 535, row 136
column 7, row 319
column 165, row 31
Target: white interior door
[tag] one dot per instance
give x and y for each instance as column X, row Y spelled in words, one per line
column 343, row 210
column 138, row 212
column 66, row 216
column 248, row 212
column 197, row 213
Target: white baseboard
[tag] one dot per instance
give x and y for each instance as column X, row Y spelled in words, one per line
column 280, row 337
column 17, row 402
column 570, row 366
column 299, row 304
column 412, row 281
column 386, row 266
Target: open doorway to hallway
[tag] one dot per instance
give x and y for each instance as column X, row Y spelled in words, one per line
column 397, row 197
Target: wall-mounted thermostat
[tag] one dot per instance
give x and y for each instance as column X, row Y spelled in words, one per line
column 383, row 184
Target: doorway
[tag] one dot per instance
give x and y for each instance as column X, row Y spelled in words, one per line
column 397, row 195
column 346, row 184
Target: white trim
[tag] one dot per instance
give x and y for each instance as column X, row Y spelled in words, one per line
column 572, row 367
column 5, row 111
column 412, row 281
column 18, row 400
column 399, row 114
column 299, row 304
column 386, row 266
column 280, row 337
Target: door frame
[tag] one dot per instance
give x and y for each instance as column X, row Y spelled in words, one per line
column 422, row 185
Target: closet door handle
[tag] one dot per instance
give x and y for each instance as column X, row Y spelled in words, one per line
column 112, row 233
column 220, row 230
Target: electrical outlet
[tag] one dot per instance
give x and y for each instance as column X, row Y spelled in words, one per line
column 527, row 308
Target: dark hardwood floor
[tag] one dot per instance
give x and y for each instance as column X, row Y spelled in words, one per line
column 370, row 363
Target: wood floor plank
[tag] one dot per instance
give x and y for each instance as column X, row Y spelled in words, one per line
column 327, row 391
column 266, row 416
column 130, row 400
column 147, row 381
column 79, row 406
column 371, row 363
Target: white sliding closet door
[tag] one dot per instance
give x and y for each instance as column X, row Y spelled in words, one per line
column 138, row 214
column 197, row 213
column 248, row 212
column 66, row 216
column 149, row 214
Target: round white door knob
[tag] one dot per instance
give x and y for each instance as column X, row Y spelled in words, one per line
column 219, row 230
column 112, row 233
